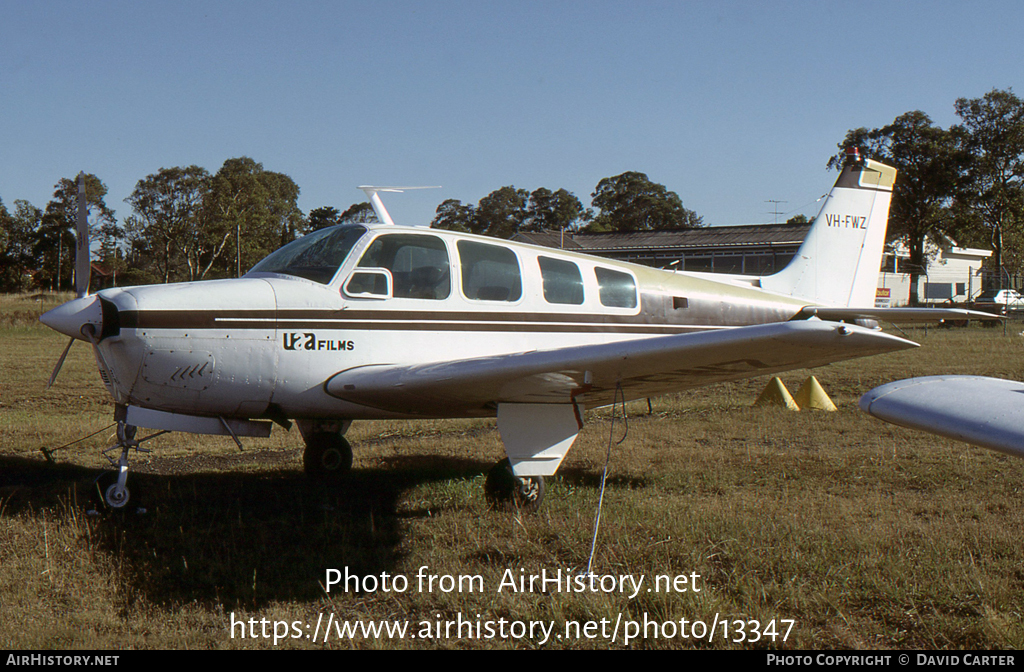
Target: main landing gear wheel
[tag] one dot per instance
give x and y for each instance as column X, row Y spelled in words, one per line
column 327, row 455
column 506, row 490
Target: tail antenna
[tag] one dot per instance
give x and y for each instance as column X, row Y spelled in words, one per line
column 378, row 205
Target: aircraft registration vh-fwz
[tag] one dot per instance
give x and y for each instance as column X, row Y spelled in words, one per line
column 373, row 321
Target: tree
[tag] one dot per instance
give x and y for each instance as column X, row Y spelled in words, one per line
column 55, row 236
column 554, row 211
column 501, row 213
column 321, row 218
column 992, row 134
column 358, row 213
column 928, row 162
column 256, row 208
column 16, row 233
column 506, row 211
column 631, row 202
column 169, row 223
column 452, row 215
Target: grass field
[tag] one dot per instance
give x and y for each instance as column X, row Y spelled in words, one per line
column 863, row 535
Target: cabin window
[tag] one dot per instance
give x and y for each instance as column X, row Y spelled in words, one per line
column 616, row 289
column 489, row 272
column 562, row 281
column 418, row 265
column 315, row 256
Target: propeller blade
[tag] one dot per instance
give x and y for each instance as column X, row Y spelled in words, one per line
column 83, row 268
column 60, row 363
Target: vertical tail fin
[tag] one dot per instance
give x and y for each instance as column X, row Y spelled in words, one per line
column 838, row 262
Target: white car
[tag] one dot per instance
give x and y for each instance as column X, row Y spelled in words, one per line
column 1000, row 301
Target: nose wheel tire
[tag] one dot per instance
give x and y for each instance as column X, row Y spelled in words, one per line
column 327, row 456
column 505, row 490
column 107, row 492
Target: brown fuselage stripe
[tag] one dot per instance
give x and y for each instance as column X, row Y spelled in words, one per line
column 646, row 321
column 148, row 321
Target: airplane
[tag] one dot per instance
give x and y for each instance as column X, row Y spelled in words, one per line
column 376, row 321
column 979, row 410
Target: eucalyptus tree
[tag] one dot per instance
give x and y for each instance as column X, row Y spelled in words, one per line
column 17, row 258
column 991, row 132
column 55, row 238
column 358, row 213
column 501, row 213
column 631, row 202
column 506, row 211
column 252, row 210
column 169, row 223
column 453, row 215
column 554, row 211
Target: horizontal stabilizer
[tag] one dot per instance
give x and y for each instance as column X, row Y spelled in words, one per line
column 902, row 315
column 988, row 412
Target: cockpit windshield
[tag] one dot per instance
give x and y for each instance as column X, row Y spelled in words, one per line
column 316, row 256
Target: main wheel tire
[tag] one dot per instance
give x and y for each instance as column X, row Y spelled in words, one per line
column 506, row 490
column 327, row 456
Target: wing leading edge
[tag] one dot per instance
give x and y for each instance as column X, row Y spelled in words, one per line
column 974, row 409
column 590, row 374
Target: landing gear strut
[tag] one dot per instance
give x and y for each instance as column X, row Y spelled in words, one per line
column 111, row 487
column 506, row 490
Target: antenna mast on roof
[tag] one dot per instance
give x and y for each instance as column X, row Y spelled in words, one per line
column 776, row 210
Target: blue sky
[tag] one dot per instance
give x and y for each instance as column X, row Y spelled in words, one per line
column 728, row 104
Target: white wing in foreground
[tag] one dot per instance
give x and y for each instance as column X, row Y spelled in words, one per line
column 589, row 374
column 987, row 412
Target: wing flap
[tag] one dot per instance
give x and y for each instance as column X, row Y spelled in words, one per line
column 590, row 373
column 974, row 409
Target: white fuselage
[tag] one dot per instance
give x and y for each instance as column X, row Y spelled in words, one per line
column 236, row 348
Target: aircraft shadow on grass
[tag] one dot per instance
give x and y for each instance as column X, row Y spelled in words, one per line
column 236, row 538
column 244, row 539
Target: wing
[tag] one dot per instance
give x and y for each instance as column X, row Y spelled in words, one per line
column 590, row 374
column 984, row 411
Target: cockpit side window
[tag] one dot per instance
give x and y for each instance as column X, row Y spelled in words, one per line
column 489, row 272
column 315, row 256
column 418, row 264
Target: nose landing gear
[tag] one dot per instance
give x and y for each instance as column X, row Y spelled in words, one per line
column 111, row 488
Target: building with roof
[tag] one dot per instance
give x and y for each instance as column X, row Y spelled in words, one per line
column 953, row 274
column 758, row 249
